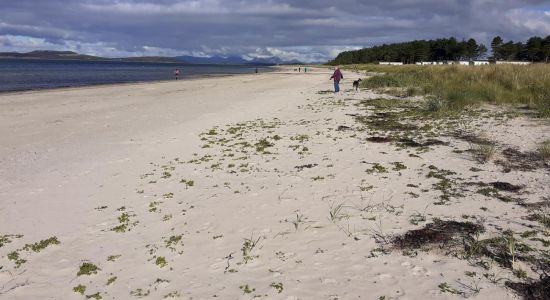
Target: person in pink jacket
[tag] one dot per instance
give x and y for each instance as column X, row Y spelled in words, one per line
column 337, row 76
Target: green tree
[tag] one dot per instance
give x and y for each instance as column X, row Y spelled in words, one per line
column 546, row 49
column 471, row 49
column 481, row 51
column 496, row 45
column 534, row 49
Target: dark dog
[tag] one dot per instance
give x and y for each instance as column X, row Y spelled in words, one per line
column 356, row 84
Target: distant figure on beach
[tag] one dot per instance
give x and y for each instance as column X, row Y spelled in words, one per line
column 299, row 70
column 305, row 69
column 337, row 76
column 256, row 71
column 177, row 73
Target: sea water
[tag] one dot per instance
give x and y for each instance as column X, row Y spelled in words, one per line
column 31, row 74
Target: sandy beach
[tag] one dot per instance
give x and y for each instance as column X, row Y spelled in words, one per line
column 263, row 186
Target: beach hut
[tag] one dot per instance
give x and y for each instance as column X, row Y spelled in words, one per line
column 390, row 63
column 504, row 62
column 464, row 63
column 480, row 62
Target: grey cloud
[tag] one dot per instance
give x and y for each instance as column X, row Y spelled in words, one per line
column 307, row 29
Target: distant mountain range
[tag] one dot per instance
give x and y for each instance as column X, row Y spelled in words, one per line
column 69, row 55
column 234, row 60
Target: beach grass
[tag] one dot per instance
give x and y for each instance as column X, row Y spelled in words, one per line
column 544, row 150
column 461, row 86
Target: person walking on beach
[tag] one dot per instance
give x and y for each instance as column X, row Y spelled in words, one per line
column 177, row 73
column 337, row 76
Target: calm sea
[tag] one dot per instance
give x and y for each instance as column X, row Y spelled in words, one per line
column 22, row 75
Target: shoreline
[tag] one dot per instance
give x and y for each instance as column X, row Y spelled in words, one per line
column 282, row 69
column 190, row 77
column 47, row 89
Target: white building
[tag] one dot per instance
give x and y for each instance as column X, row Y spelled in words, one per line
column 503, row 62
column 390, row 63
column 461, row 62
column 480, row 62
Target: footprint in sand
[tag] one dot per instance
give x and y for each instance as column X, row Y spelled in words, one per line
column 218, row 265
column 329, row 281
column 386, row 276
column 416, row 270
column 420, row 272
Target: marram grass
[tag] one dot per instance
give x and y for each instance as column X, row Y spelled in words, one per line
column 460, row 86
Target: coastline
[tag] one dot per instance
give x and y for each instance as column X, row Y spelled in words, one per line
column 99, row 85
column 246, row 185
column 281, row 69
column 91, row 85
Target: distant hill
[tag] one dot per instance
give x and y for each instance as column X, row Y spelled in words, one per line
column 155, row 59
column 70, row 55
column 231, row 60
column 234, row 60
column 276, row 60
column 46, row 54
column 220, row 60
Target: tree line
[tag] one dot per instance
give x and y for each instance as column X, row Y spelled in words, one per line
column 536, row 49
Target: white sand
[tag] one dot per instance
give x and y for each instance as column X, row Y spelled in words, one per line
column 65, row 153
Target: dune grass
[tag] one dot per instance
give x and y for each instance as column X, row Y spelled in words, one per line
column 544, row 150
column 460, row 86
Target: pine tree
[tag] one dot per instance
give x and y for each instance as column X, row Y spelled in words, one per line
column 481, row 51
column 546, row 49
column 534, row 48
column 496, row 45
column 471, row 49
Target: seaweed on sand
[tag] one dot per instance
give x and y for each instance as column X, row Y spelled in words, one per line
column 517, row 160
column 439, row 233
column 428, row 142
column 386, row 121
column 533, row 290
column 505, row 186
column 307, row 166
column 379, row 139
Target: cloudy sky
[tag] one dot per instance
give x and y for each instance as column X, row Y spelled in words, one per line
column 308, row 30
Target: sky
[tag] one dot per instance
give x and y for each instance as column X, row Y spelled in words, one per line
column 306, row 30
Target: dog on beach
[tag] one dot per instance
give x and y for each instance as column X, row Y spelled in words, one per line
column 356, row 84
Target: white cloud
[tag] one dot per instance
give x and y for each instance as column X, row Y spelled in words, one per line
column 37, row 30
column 27, row 44
column 200, row 7
column 535, row 21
